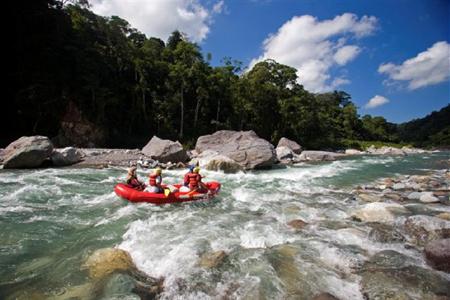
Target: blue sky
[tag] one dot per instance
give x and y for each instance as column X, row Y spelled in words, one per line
column 395, row 52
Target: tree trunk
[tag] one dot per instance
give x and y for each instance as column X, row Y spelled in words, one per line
column 197, row 108
column 218, row 113
column 182, row 112
column 143, row 104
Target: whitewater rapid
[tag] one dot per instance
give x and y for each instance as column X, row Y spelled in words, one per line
column 53, row 218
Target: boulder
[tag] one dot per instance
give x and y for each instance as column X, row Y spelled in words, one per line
column 293, row 146
column 391, row 275
column 354, row 152
column 212, row 160
column 319, row 156
column 284, row 154
column 427, row 197
column 66, row 156
column 165, row 150
column 385, row 151
column 384, row 233
column 244, row 147
column 213, row 259
column 106, row 261
column 437, row 253
column 369, row 197
column 27, row 152
column 378, row 212
column 424, row 229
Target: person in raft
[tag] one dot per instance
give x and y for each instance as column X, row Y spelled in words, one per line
column 155, row 180
column 185, row 188
column 195, row 181
column 133, row 181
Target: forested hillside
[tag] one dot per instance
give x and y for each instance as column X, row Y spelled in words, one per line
column 88, row 80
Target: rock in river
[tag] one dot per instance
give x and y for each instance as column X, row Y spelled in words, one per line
column 319, row 156
column 212, row 160
column 423, row 229
column 213, row 259
column 165, row 150
column 437, row 253
column 378, row 212
column 391, row 275
column 292, row 145
column 27, row 152
column 66, row 156
column 244, row 147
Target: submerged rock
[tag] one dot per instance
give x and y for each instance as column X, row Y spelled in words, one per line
column 213, row 259
column 291, row 145
column 297, row 224
column 444, row 216
column 66, row 156
column 384, row 233
column 296, row 283
column 391, row 275
column 165, row 150
column 244, row 147
column 27, row 152
column 105, row 264
column 437, row 253
column 378, row 212
column 423, row 229
column 106, row 261
column 369, row 197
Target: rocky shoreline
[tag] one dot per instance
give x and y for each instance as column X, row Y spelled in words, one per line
column 228, row 151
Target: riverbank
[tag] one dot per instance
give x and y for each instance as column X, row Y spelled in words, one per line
column 229, row 151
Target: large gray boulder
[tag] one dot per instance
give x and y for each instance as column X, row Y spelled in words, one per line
column 213, row 161
column 27, row 152
column 284, row 154
column 165, row 150
column 284, row 142
column 244, row 147
column 319, row 156
column 66, row 156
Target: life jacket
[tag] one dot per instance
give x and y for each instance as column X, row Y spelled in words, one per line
column 193, row 180
column 152, row 179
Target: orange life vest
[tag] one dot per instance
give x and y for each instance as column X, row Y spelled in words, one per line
column 193, row 180
column 152, row 179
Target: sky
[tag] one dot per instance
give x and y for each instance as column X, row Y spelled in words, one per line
column 391, row 56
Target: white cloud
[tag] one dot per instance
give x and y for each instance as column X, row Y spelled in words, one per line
column 219, row 7
column 159, row 18
column 376, row 101
column 345, row 54
column 427, row 68
column 314, row 47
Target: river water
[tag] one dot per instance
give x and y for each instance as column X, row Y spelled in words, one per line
column 52, row 219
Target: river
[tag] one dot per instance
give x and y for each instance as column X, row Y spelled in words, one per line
column 52, row 219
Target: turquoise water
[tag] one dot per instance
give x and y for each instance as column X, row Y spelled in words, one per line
column 52, row 219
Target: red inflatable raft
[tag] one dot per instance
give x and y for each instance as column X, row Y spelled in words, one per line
column 132, row 195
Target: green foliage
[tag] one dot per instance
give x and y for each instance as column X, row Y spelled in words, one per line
column 132, row 87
